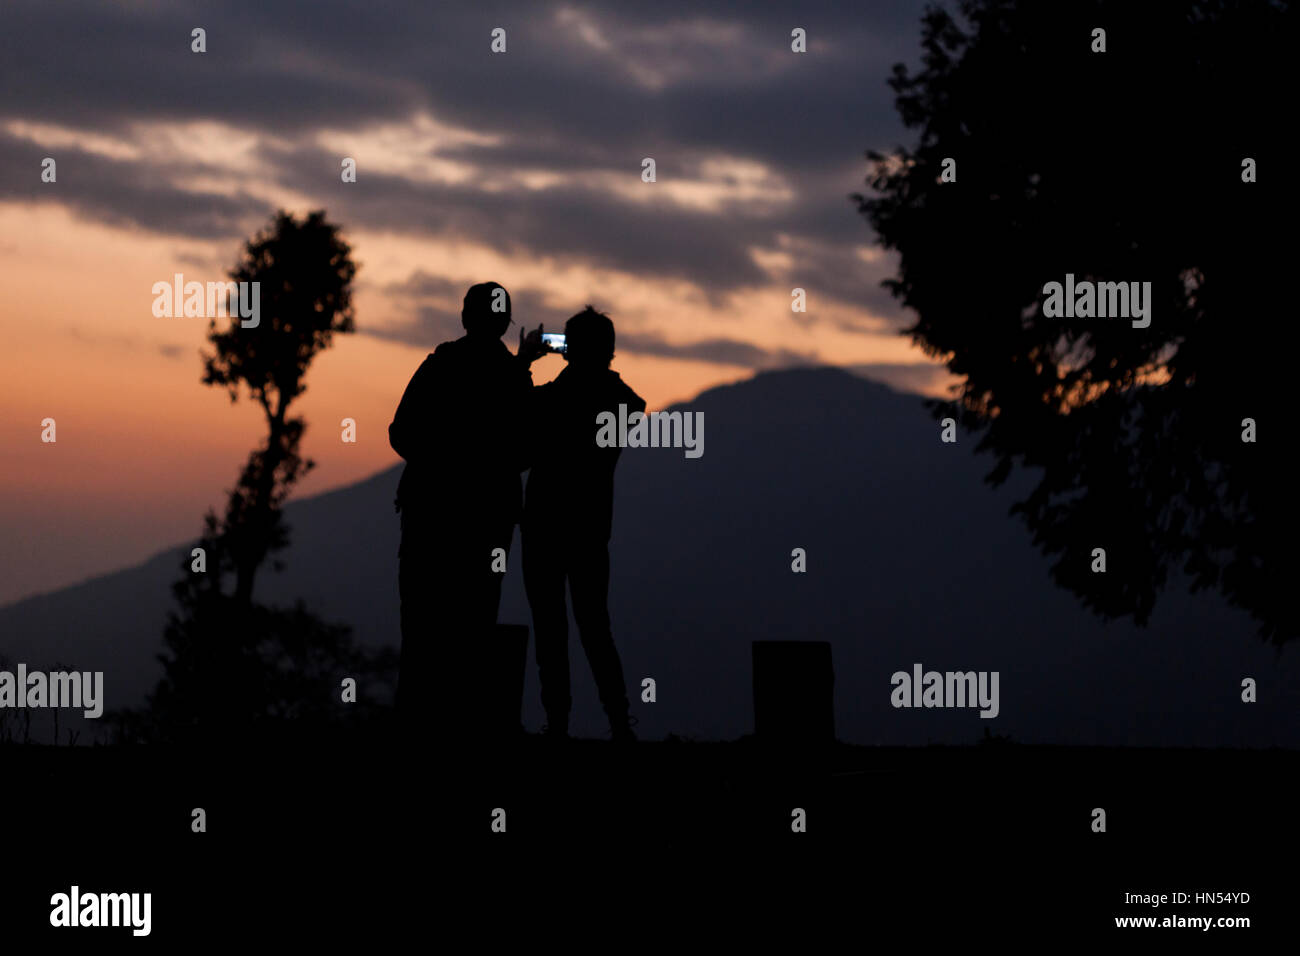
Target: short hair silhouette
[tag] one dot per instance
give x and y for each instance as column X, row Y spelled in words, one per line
column 482, row 312
column 589, row 338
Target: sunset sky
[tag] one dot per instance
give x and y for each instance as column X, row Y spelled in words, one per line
column 522, row 167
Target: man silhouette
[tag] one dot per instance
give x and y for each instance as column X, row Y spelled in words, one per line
column 568, row 509
column 458, row 428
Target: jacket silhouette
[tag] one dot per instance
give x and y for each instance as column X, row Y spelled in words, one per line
column 459, row 428
column 565, row 532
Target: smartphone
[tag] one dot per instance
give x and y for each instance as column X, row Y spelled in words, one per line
column 555, row 340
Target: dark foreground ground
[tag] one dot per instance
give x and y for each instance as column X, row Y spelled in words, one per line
column 672, row 845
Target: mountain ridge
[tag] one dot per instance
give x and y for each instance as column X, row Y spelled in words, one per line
column 911, row 558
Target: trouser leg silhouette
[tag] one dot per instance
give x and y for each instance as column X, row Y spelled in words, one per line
column 588, row 568
column 544, row 585
column 450, row 597
column 547, row 565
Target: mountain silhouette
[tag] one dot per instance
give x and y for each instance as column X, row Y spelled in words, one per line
column 911, row 558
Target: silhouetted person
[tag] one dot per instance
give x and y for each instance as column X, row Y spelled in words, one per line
column 568, row 510
column 459, row 428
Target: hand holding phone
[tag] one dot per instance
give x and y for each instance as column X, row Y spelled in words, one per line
column 531, row 346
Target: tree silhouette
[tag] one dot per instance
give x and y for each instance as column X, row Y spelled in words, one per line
column 305, row 272
column 235, row 670
column 1123, row 165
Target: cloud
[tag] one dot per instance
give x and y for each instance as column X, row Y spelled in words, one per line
column 431, row 305
column 674, row 52
column 428, row 326
column 535, row 153
column 422, row 285
column 923, row 378
column 122, row 192
column 722, row 351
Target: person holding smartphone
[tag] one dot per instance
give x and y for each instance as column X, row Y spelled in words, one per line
column 568, row 516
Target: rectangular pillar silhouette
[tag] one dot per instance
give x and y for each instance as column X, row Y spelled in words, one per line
column 794, row 696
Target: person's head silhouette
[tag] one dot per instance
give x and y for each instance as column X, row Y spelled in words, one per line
column 589, row 340
column 486, row 311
